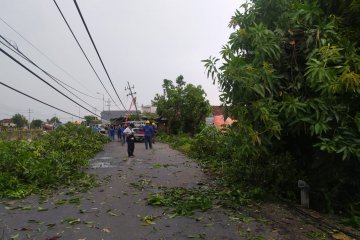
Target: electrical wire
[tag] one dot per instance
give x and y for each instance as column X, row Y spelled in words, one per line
column 84, row 53
column 83, row 20
column 49, row 59
column 39, row 100
column 8, row 55
column 58, row 81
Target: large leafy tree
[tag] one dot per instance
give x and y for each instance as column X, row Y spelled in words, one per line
column 92, row 119
column 20, row 120
column 36, row 123
column 53, row 120
column 183, row 105
column 290, row 74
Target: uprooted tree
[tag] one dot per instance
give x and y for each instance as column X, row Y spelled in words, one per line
column 290, row 75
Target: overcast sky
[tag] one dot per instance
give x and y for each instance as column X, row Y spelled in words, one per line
column 140, row 41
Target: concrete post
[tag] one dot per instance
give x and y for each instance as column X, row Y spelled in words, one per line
column 304, row 193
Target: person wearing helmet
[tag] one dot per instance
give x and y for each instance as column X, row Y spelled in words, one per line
column 149, row 133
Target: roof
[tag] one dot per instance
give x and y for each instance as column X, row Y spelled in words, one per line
column 6, row 121
column 217, row 110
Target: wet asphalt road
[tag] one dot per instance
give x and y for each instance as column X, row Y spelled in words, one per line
column 116, row 209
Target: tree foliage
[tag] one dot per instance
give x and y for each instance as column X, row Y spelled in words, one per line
column 53, row 120
column 36, row 123
column 20, row 120
column 290, row 74
column 57, row 159
column 183, row 105
column 91, row 120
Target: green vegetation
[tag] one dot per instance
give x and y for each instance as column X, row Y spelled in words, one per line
column 183, row 201
column 36, row 123
column 184, row 106
column 53, row 120
column 290, row 75
column 56, row 159
column 90, row 120
column 19, row 120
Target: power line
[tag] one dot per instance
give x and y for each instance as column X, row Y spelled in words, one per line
column 49, row 59
column 46, row 82
column 84, row 52
column 58, row 81
column 39, row 100
column 83, row 20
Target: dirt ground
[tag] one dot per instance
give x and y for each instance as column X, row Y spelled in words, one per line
column 117, row 209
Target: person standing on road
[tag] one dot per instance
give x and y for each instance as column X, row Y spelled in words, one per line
column 148, row 134
column 118, row 133
column 130, row 139
column 112, row 133
column 122, row 134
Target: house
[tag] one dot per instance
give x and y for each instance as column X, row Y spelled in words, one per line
column 217, row 117
column 148, row 109
column 7, row 123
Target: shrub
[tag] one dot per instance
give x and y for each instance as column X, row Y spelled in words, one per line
column 57, row 158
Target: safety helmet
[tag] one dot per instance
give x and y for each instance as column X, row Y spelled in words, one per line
column 147, row 122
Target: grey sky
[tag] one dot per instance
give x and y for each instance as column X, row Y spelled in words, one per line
column 140, row 41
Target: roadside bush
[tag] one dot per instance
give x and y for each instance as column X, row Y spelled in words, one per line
column 243, row 165
column 57, row 158
column 207, row 143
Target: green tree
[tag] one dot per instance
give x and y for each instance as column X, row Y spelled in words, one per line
column 91, row 120
column 36, row 123
column 19, row 120
column 53, row 120
column 290, row 74
column 183, row 105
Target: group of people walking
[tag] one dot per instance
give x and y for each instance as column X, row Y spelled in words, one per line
column 126, row 133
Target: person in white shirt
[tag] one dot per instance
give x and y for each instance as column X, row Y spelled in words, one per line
column 130, row 139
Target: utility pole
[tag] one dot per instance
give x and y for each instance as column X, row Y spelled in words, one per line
column 29, row 118
column 133, row 98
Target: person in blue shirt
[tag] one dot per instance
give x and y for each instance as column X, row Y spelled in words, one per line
column 148, row 134
column 122, row 134
column 112, row 133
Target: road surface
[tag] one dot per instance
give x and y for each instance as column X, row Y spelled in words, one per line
column 117, row 208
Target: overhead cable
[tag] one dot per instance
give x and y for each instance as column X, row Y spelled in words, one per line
column 84, row 53
column 15, row 60
column 39, row 100
column 58, row 81
column 83, row 20
column 49, row 59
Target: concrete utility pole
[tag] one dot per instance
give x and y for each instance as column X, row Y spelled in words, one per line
column 133, row 98
column 29, row 118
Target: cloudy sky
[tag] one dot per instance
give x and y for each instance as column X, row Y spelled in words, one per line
column 140, row 41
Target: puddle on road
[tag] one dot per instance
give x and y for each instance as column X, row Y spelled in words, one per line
column 101, row 165
column 103, row 158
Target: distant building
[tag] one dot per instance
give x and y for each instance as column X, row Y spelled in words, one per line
column 7, row 123
column 148, row 109
column 217, row 117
